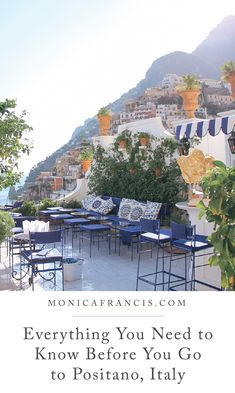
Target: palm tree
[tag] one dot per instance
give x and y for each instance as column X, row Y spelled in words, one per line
column 190, row 82
column 104, row 111
column 190, row 90
column 228, row 69
column 228, row 74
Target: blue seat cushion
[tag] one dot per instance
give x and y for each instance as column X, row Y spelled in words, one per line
column 155, row 237
column 49, row 256
column 200, row 243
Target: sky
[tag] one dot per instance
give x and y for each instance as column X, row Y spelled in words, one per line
column 64, row 59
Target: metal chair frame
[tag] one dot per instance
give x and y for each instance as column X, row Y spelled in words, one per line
column 35, row 263
column 184, row 238
column 153, row 235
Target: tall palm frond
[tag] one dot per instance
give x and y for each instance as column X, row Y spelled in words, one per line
column 228, row 69
column 190, row 82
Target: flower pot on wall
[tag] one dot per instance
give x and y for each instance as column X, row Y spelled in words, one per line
column 231, row 79
column 104, row 122
column 231, row 284
column 133, row 171
column 158, row 172
column 86, row 164
column 144, row 141
column 122, row 144
column 228, row 74
column 190, row 101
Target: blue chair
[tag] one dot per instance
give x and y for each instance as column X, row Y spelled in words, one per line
column 13, row 246
column 153, row 235
column 186, row 241
column 15, row 205
column 43, row 260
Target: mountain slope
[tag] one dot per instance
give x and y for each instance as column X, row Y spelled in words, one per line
column 219, row 46
column 204, row 61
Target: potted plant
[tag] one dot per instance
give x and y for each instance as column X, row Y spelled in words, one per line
column 133, row 168
column 228, row 74
column 157, row 162
column 123, row 139
column 6, row 225
column 218, row 187
column 190, row 90
column 86, row 156
column 144, row 138
column 156, row 165
column 104, row 116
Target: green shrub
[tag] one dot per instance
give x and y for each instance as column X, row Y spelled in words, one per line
column 47, row 202
column 27, row 209
column 6, row 224
column 131, row 174
column 86, row 153
column 72, row 204
column 218, row 186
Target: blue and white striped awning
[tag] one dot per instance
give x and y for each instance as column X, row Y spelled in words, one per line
column 200, row 128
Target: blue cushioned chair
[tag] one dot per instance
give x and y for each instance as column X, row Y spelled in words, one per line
column 151, row 234
column 13, row 246
column 185, row 239
column 43, row 260
column 15, row 205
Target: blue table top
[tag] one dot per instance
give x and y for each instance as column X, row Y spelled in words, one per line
column 48, row 212
column 60, row 216
column 74, row 221
column 95, row 227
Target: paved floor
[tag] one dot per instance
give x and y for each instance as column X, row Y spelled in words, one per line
column 101, row 272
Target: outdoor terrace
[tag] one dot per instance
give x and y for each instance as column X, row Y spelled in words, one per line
column 101, row 272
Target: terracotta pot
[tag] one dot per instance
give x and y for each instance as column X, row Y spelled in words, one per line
column 105, row 122
column 190, row 101
column 86, row 164
column 158, row 172
column 232, row 283
column 122, row 144
column 133, row 171
column 231, row 80
column 144, row 141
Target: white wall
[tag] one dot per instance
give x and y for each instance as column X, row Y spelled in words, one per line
column 153, row 126
column 217, row 146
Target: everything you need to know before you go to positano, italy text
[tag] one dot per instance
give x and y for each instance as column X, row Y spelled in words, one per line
column 147, row 347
